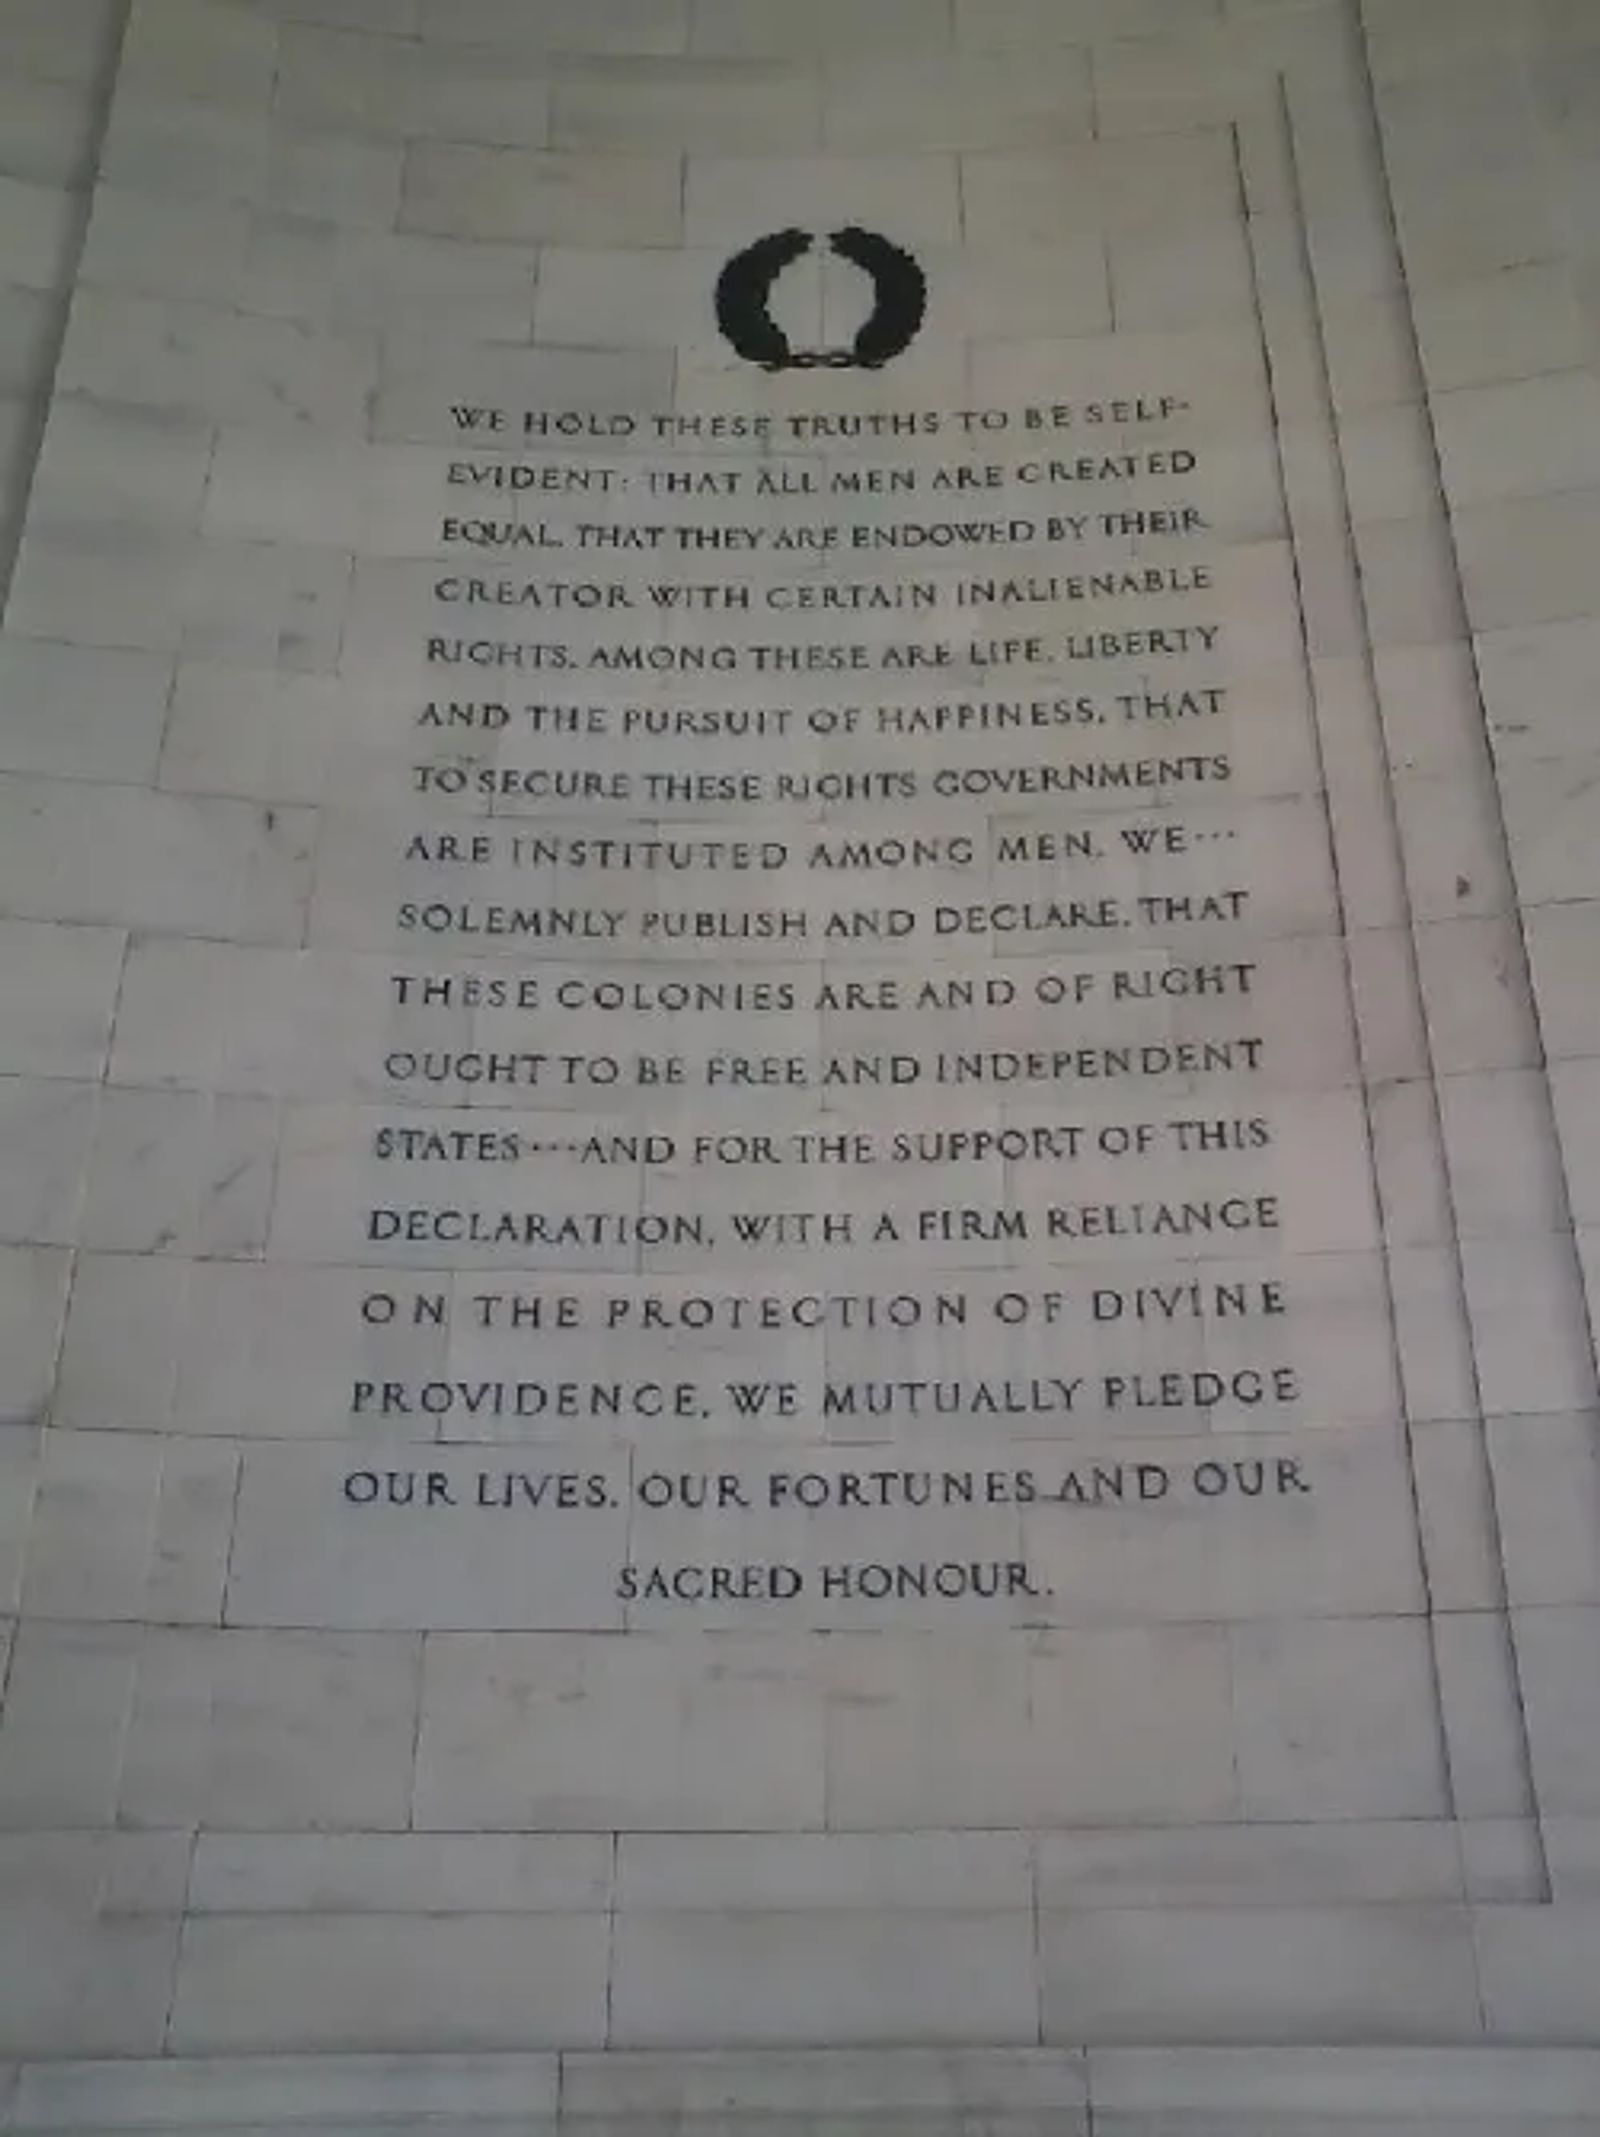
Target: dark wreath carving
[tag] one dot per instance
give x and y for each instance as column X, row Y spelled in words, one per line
column 745, row 286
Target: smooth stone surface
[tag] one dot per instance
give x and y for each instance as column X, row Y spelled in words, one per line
column 799, row 1226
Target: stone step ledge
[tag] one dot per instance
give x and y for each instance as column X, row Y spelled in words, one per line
column 1121, row 2092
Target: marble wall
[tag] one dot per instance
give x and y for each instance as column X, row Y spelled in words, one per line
column 341, row 1717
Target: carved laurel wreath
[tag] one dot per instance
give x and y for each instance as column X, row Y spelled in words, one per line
column 745, row 286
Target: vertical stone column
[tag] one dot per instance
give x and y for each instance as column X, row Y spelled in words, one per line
column 60, row 64
column 1487, row 142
